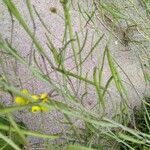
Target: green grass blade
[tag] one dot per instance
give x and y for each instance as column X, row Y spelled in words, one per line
column 18, row 131
column 9, row 141
column 31, row 133
column 130, row 138
column 77, row 147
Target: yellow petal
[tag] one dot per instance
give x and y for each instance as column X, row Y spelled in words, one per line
column 36, row 109
column 43, row 95
column 21, row 101
column 45, row 100
column 35, row 97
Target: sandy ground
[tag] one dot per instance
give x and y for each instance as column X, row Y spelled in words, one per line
column 126, row 59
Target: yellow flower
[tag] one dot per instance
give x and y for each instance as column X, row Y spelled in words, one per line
column 40, row 108
column 36, row 109
column 44, row 97
column 20, row 100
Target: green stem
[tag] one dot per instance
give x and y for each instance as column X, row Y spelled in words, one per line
column 28, row 132
column 69, row 24
column 75, row 76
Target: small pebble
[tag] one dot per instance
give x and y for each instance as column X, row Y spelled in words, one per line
column 53, row 10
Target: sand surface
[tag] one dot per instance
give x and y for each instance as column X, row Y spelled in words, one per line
column 126, row 58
